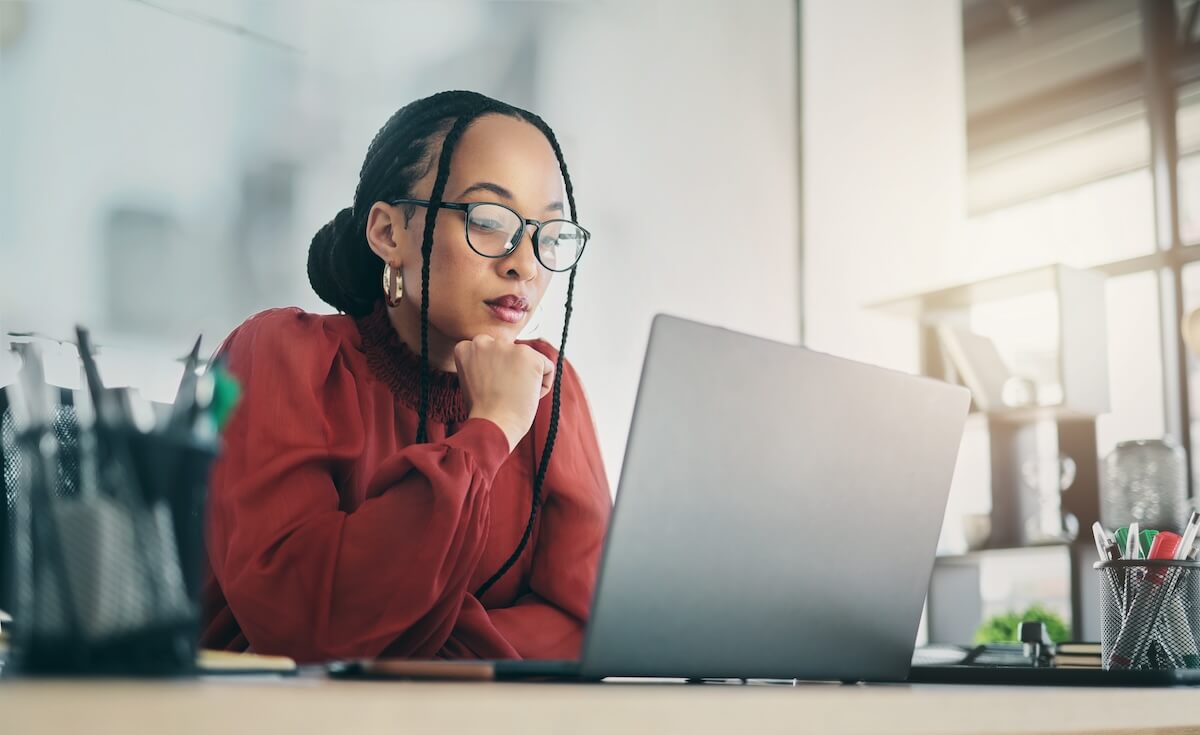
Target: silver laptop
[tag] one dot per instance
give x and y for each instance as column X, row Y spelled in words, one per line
column 777, row 517
column 777, row 514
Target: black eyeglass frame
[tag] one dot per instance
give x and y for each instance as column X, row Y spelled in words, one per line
column 515, row 240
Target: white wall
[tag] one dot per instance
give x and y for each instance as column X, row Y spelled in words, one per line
column 678, row 121
column 884, row 165
column 100, row 103
column 884, row 154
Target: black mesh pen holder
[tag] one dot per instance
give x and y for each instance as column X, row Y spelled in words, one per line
column 104, row 579
column 1150, row 614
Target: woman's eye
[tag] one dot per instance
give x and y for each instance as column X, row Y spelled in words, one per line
column 489, row 225
column 562, row 238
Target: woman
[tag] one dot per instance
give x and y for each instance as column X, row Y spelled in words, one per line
column 404, row 479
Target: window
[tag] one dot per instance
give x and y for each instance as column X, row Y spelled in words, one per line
column 1099, row 222
column 1189, row 199
column 1134, row 362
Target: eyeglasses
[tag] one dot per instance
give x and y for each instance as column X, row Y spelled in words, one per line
column 495, row 231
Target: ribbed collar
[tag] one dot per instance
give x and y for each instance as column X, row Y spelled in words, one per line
column 400, row 369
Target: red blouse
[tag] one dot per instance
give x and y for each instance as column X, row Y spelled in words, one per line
column 331, row 534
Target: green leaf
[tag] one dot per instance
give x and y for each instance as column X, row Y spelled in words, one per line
column 1006, row 627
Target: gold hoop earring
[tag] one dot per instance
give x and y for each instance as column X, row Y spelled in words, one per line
column 393, row 289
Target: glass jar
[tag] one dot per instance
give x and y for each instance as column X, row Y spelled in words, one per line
column 1145, row 481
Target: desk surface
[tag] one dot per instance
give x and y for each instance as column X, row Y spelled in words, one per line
column 314, row 705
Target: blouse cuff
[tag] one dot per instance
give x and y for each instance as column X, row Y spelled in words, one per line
column 485, row 442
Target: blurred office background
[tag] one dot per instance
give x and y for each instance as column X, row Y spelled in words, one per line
column 780, row 167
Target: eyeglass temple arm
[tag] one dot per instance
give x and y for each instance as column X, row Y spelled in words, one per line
column 426, row 203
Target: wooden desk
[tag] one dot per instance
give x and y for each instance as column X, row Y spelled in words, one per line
column 315, row 705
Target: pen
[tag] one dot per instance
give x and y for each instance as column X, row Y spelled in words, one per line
column 1189, row 536
column 1113, row 552
column 113, row 426
column 184, row 410
column 1109, row 550
column 1101, row 539
column 1131, row 552
column 176, row 436
column 1145, row 541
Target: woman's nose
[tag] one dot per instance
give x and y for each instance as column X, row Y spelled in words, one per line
column 522, row 262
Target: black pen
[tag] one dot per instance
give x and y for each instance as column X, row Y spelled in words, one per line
column 183, row 412
column 113, row 426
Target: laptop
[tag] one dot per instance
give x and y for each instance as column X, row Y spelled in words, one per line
column 777, row 517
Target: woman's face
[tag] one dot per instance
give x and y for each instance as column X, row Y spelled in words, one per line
column 502, row 160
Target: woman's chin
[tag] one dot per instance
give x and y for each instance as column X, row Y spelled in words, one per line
column 499, row 332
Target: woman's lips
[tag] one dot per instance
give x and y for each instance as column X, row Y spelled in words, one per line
column 511, row 309
column 507, row 314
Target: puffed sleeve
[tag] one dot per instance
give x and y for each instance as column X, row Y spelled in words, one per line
column 303, row 577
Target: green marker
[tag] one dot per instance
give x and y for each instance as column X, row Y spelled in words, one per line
column 1147, row 538
column 227, row 392
column 1122, row 535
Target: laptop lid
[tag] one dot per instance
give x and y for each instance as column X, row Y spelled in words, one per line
column 777, row 515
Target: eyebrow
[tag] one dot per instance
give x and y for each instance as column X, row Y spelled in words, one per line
column 500, row 191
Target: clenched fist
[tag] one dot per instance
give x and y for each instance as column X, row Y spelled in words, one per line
column 503, row 382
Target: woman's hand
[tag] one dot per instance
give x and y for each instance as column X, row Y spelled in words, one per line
column 503, row 382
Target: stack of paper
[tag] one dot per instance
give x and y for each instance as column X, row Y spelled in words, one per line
column 1077, row 655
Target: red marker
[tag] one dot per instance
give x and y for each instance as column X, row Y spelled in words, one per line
column 1164, row 545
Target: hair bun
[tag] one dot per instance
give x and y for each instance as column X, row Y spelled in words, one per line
column 334, row 257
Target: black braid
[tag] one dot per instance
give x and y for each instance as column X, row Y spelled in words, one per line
column 556, row 402
column 435, row 198
column 551, row 434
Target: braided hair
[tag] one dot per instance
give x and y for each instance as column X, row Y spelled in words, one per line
column 345, row 272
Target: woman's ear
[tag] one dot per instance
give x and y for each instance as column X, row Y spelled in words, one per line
column 385, row 226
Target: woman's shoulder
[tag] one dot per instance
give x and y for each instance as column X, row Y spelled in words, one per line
column 290, row 323
column 289, row 338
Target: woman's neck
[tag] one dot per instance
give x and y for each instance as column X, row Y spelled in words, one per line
column 441, row 348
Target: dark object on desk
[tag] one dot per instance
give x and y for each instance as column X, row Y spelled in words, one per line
column 490, row 670
column 7, row 481
column 401, row 669
column 501, row 670
column 1009, row 664
column 1037, row 652
column 1036, row 643
column 1052, row 676
column 102, row 574
column 988, row 654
